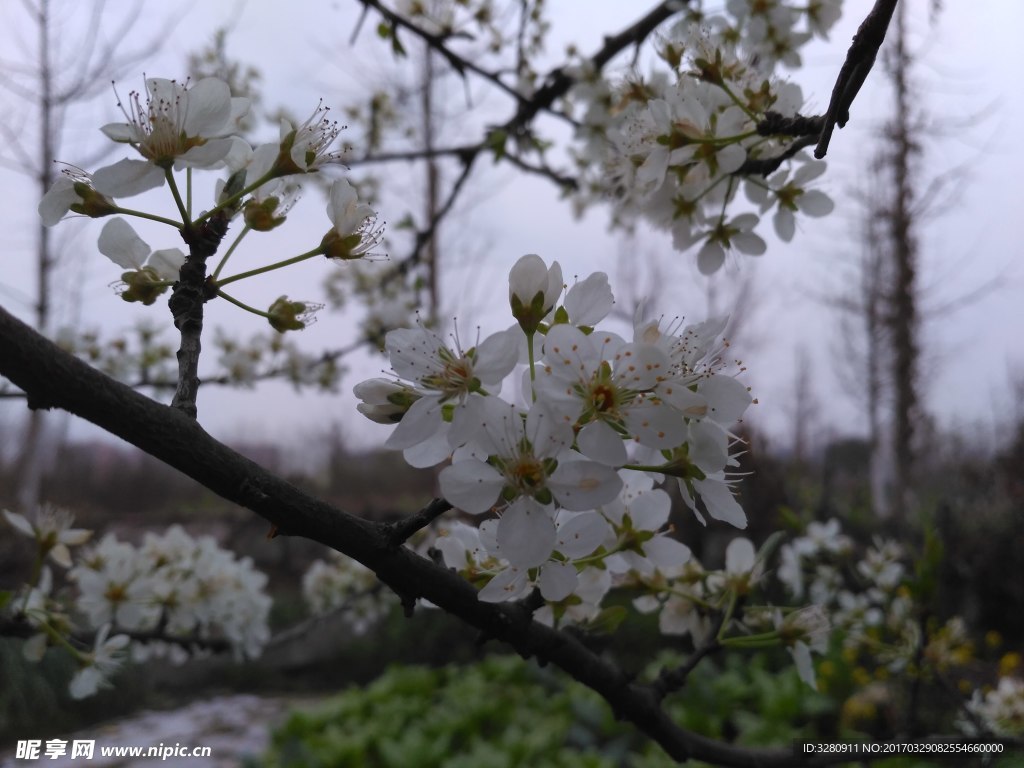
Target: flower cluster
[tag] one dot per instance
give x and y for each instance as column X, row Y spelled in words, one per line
column 181, row 127
column 566, row 475
column 866, row 595
column 187, row 590
column 342, row 584
column 676, row 147
column 999, row 711
column 171, row 595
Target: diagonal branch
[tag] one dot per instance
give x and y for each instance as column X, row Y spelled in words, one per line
column 55, row 379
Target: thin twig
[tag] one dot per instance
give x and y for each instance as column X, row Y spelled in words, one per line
column 401, row 531
column 670, row 680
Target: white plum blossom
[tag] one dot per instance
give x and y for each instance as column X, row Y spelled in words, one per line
column 568, row 475
column 1000, row 710
column 675, row 145
column 790, row 196
column 640, row 542
column 51, row 531
column 443, row 377
column 307, row 145
column 802, row 632
column 178, row 127
column 383, row 400
column 73, row 191
column 119, row 242
column 355, row 231
column 100, row 664
column 597, row 382
column 529, row 457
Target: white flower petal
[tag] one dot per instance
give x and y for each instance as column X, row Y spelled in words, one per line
column 167, row 263
column 710, row 258
column 526, row 534
column 119, row 243
column 496, row 356
column 20, row 523
column 57, row 201
column 420, row 422
column 720, row 502
column 666, row 553
column 471, row 485
column 507, row 585
column 557, row 581
column 127, row 177
column 598, row 441
column 804, row 664
column 656, row 425
column 650, row 509
column 749, row 243
column 730, row 158
column 785, row 224
column 581, row 485
column 209, row 154
column 728, row 398
column 589, row 301
column 430, row 452
column 816, row 203
column 582, row 534
column 740, row 556
column 209, row 107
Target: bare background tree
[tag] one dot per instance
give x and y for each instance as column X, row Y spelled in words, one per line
column 66, row 73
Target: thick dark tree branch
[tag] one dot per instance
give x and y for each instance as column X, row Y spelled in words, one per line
column 55, row 379
column 859, row 61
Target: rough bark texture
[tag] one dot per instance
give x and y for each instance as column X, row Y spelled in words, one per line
column 186, row 304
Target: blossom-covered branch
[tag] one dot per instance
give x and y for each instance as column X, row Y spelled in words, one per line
column 54, row 379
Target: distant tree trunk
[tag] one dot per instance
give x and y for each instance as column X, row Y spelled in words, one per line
column 904, row 313
column 61, row 74
column 29, row 467
column 432, row 203
column 875, row 278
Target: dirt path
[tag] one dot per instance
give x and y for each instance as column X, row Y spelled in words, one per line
column 233, row 727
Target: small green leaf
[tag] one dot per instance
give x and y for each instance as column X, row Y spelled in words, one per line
column 496, row 141
column 396, row 45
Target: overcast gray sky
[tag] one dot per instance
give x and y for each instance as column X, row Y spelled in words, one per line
column 969, row 60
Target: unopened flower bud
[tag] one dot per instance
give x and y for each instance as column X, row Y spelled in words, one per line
column 344, row 247
column 94, row 204
column 384, row 401
column 809, row 625
column 259, row 214
column 533, row 289
column 285, row 315
column 143, row 285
